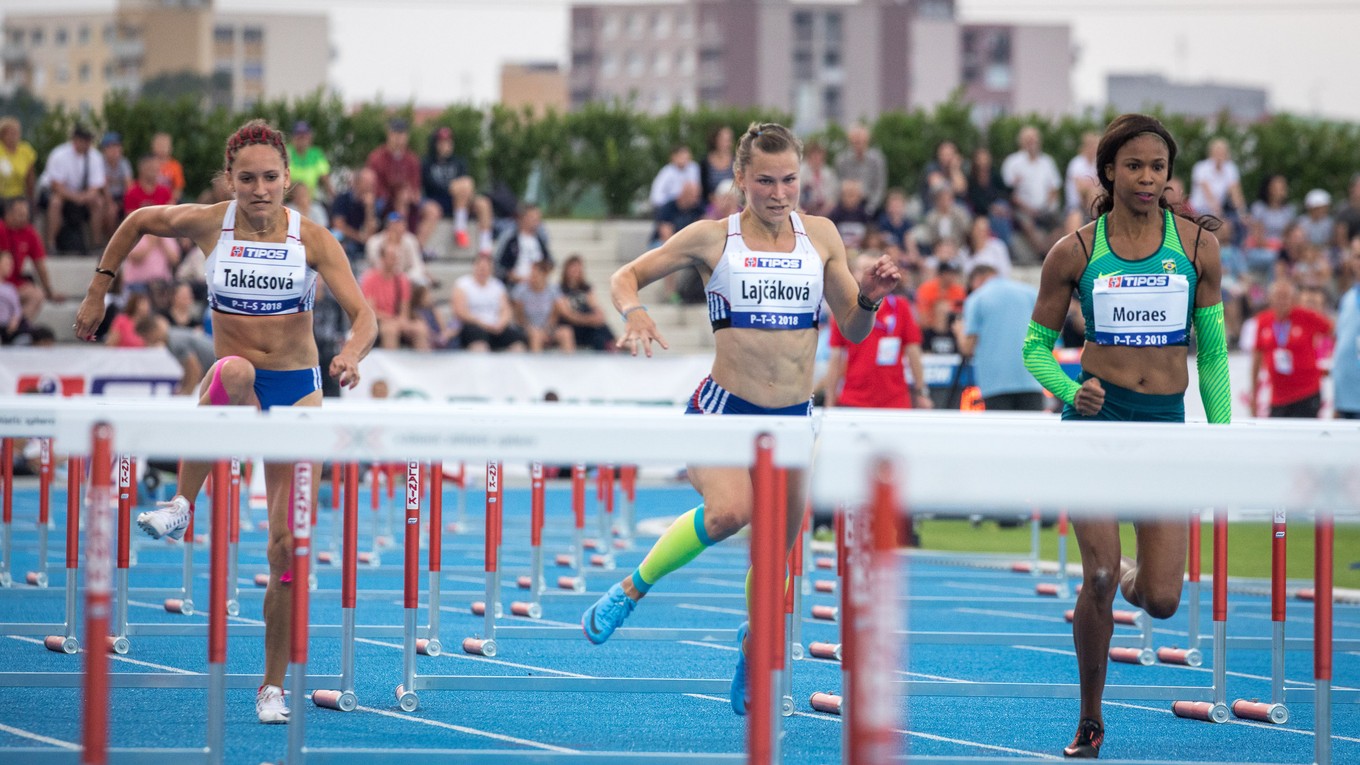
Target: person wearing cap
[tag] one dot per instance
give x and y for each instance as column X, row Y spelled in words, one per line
column 18, row 160
column 1316, row 220
column 450, row 192
column 72, row 183
column 117, row 178
column 397, row 170
column 308, row 163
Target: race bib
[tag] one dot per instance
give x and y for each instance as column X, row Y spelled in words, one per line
column 775, row 291
column 1143, row 310
column 1284, row 361
column 889, row 350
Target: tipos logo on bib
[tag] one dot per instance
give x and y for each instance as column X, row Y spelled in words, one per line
column 1141, row 310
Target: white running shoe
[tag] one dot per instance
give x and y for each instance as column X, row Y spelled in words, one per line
column 169, row 519
column 269, row 705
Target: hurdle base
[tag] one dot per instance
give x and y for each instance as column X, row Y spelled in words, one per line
column 185, row 606
column 825, row 613
column 1205, row 711
column 828, row 703
column 67, row 644
column 406, row 700
column 36, row 578
column 1189, row 657
column 429, row 647
column 341, row 701
column 1140, row 656
column 1260, row 711
column 526, row 609
column 828, row 651
column 118, row 644
column 478, row 608
column 480, row 647
column 571, row 584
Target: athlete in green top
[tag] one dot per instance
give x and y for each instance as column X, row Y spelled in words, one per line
column 1144, row 276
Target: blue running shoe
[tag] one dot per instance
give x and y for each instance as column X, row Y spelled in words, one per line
column 741, row 699
column 601, row 619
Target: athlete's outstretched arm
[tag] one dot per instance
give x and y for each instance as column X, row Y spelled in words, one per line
column 853, row 315
column 1061, row 270
column 683, row 250
column 332, row 265
column 194, row 222
column 1211, row 355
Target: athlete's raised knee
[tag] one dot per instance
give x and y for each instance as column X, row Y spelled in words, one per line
column 231, row 379
column 1161, row 606
column 1100, row 583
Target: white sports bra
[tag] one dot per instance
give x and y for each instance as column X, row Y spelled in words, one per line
column 260, row 278
column 766, row 290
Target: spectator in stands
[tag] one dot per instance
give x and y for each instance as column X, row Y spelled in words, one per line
column 388, row 292
column 1346, row 359
column 988, row 194
column 330, row 328
column 673, row 176
column 147, row 190
column 871, row 373
column 170, row 172
column 1348, row 215
column 443, row 334
column 1236, row 280
column 677, row 213
column 1080, row 183
column 944, row 288
column 20, row 238
column 578, row 309
column 409, row 259
column 893, row 221
column 984, row 249
column 12, row 323
column 184, row 311
column 193, row 350
column 819, row 187
column 946, row 220
column 724, row 201
column 118, row 178
column 1261, row 251
column 123, row 329
column 1318, row 225
column 535, row 303
column 307, row 163
column 18, row 162
column 864, row 163
column 519, row 250
column 450, row 192
column 481, row 303
column 995, row 316
column 356, row 213
column 1035, row 183
column 1216, row 184
column 396, row 174
column 717, row 164
column 300, row 200
column 1287, row 348
column 946, row 167
column 851, row 213
column 73, row 184
column 150, row 267
column 1273, row 208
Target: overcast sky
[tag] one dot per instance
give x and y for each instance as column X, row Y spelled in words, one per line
column 1304, row 52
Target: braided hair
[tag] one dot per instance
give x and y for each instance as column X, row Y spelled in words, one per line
column 769, row 138
column 255, row 132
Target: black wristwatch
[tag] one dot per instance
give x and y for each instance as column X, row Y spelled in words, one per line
column 867, row 304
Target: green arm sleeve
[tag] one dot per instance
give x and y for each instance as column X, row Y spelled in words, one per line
column 1040, row 362
column 1211, row 362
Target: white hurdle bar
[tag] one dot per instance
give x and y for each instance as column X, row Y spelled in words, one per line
column 1238, row 466
column 433, row 432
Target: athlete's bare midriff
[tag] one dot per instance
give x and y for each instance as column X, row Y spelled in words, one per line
column 769, row 368
column 267, row 342
column 1157, row 371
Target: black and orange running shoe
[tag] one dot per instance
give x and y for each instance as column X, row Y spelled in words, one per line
column 1086, row 746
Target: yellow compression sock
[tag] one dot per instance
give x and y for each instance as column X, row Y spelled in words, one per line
column 681, row 543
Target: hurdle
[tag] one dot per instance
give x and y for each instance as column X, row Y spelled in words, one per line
column 38, row 576
column 1239, row 472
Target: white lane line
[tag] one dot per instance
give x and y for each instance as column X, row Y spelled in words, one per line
column 40, row 738
column 116, row 657
column 470, row 731
column 1011, row 615
column 1304, row 684
column 479, row 659
column 719, row 582
column 702, row 644
column 712, row 609
column 1299, row 620
column 992, row 588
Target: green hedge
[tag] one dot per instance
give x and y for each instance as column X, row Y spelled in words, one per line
column 609, row 153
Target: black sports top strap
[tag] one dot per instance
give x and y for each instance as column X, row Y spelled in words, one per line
column 1084, row 249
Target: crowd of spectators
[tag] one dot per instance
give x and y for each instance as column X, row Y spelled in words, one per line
column 1285, row 250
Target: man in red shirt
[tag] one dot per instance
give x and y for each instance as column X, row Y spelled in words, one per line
column 870, row 373
column 19, row 237
column 388, row 291
column 148, row 190
column 397, row 170
column 1288, row 338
